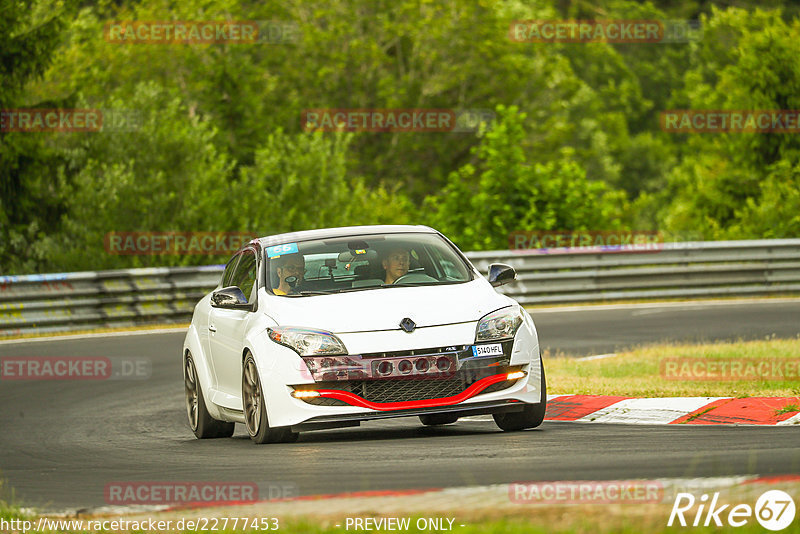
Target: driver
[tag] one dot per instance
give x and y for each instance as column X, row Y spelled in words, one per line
column 287, row 266
column 396, row 263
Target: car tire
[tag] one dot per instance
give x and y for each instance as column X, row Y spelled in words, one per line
column 438, row 419
column 255, row 411
column 200, row 421
column 530, row 417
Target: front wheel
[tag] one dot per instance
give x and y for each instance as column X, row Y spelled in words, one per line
column 530, row 417
column 438, row 419
column 202, row 424
column 255, row 411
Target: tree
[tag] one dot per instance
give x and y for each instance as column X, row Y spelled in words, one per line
column 746, row 61
column 301, row 181
column 503, row 191
column 31, row 201
column 166, row 174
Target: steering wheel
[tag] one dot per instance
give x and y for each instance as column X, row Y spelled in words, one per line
column 415, row 277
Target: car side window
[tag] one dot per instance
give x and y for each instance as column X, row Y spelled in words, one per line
column 227, row 274
column 244, row 277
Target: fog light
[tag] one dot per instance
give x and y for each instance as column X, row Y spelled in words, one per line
column 385, row 368
column 305, row 394
column 515, row 375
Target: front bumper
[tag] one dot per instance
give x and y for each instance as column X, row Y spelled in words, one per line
column 340, row 404
column 322, row 422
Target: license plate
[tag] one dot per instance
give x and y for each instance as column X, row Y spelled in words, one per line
column 487, row 350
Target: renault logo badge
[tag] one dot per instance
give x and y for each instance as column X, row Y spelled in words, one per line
column 407, row 325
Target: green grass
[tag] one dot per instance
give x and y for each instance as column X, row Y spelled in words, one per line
column 787, row 409
column 638, row 373
column 8, row 507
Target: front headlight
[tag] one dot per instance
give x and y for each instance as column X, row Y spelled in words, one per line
column 499, row 325
column 307, row 342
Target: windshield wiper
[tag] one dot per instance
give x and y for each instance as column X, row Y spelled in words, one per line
column 352, row 289
column 310, row 293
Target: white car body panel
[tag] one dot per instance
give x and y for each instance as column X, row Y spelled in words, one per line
column 382, row 310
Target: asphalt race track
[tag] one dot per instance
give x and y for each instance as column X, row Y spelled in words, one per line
column 594, row 330
column 61, row 442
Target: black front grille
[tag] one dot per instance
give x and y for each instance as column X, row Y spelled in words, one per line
column 402, row 390
column 408, row 389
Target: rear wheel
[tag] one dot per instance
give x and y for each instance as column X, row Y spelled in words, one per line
column 438, row 419
column 255, row 411
column 530, row 417
column 202, row 424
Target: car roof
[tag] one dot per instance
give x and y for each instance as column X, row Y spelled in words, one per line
column 344, row 231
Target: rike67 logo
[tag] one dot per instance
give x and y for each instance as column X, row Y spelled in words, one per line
column 774, row 510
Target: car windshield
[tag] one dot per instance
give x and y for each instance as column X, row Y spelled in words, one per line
column 360, row 263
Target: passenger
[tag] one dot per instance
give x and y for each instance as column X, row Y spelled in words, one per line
column 288, row 266
column 396, row 263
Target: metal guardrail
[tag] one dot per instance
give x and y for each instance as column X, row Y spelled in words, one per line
column 129, row 297
column 679, row 270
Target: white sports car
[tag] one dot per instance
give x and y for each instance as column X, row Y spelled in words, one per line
column 327, row 328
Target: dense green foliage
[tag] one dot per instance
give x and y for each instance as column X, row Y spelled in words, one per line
column 576, row 143
column 30, row 195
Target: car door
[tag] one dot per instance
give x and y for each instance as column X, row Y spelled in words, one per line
column 227, row 329
column 204, row 333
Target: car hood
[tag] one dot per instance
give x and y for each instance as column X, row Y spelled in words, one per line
column 383, row 309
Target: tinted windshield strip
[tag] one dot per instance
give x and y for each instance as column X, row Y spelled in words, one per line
column 360, row 262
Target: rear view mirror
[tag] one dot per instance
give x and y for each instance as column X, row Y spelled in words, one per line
column 500, row 273
column 229, row 297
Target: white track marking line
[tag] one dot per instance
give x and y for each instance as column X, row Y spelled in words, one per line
column 94, row 335
column 648, row 411
column 650, row 305
column 793, row 420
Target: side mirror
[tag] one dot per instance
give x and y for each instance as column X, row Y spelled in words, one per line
column 229, row 297
column 500, row 273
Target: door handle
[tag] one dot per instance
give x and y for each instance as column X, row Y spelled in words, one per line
column 212, row 328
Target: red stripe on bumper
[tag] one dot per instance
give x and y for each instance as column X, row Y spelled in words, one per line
column 355, row 400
